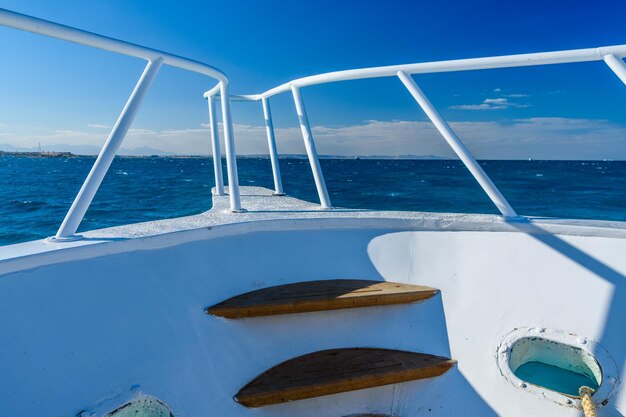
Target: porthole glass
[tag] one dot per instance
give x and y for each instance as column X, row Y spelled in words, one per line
column 553, row 365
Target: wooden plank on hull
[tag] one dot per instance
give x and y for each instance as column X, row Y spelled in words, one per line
column 324, row 295
column 339, row 370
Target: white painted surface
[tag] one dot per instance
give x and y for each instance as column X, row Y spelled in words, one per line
column 617, row 65
column 215, row 148
column 271, row 144
column 110, row 320
column 286, row 213
column 231, row 153
column 309, row 145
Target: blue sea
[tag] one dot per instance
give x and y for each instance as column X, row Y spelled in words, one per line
column 35, row 193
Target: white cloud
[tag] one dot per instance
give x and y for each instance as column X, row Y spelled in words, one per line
column 539, row 138
column 99, row 126
column 498, row 91
column 142, row 132
column 492, row 104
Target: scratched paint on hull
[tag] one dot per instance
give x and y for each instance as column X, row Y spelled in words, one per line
column 145, row 407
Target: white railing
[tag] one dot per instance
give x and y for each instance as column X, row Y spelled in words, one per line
column 155, row 59
column 612, row 55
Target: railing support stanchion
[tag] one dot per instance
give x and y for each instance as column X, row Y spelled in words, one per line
column 617, row 65
column 83, row 199
column 307, row 135
column 231, row 155
column 215, row 147
column 271, row 143
column 457, row 146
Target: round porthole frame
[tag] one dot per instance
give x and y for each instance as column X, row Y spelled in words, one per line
column 610, row 376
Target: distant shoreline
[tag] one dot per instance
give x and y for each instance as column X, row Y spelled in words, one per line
column 50, row 154
column 53, row 154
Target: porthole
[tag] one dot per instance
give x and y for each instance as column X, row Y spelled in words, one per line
column 555, row 364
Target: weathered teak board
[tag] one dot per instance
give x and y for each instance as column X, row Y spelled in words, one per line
column 318, row 296
column 339, row 370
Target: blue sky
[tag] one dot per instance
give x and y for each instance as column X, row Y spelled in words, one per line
column 59, row 94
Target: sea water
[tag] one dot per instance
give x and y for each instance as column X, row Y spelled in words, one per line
column 35, row 193
column 554, row 378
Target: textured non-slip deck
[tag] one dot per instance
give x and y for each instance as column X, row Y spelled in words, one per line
column 318, row 296
column 339, row 370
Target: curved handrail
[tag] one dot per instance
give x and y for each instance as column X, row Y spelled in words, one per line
column 56, row 30
column 155, row 58
column 467, row 64
column 611, row 55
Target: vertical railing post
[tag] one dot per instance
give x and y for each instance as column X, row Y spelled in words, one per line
column 617, row 65
column 457, row 146
column 83, row 199
column 215, row 147
column 311, row 152
column 231, row 155
column 271, row 143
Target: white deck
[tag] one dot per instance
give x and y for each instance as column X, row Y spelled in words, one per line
column 290, row 213
column 97, row 322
